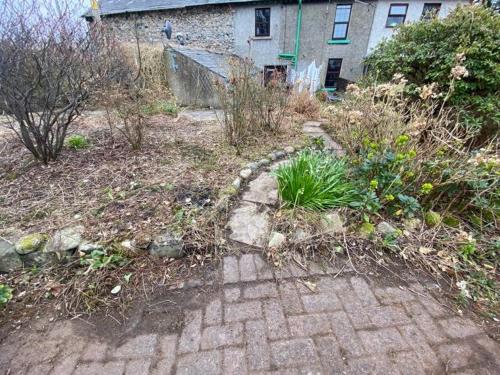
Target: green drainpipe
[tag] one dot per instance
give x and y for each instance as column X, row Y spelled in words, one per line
column 297, row 34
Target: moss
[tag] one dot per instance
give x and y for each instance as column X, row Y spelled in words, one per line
column 451, row 221
column 366, row 230
column 432, row 218
column 31, row 243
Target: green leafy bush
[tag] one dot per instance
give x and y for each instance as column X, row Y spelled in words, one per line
column 100, row 259
column 465, row 46
column 77, row 142
column 5, row 294
column 315, row 180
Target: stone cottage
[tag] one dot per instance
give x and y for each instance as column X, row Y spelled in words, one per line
column 285, row 35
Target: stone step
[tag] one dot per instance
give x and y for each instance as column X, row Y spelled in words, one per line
column 249, row 224
column 264, row 189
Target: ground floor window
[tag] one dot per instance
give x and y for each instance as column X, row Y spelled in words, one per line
column 333, row 73
column 274, row 72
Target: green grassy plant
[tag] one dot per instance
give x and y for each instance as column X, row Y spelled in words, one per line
column 77, row 142
column 315, row 180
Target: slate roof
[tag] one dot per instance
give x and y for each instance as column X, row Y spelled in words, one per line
column 109, row 7
column 216, row 62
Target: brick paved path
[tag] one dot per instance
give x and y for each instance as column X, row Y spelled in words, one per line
column 286, row 322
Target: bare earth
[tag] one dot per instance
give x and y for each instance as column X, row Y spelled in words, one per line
column 245, row 318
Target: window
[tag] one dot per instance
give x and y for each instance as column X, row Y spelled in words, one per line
column 397, row 15
column 333, row 73
column 341, row 23
column 263, row 22
column 430, row 10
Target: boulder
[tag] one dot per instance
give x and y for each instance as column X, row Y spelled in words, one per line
column 385, row 229
column 31, row 243
column 167, row 245
column 276, row 240
column 65, row 240
column 332, row 223
column 9, row 259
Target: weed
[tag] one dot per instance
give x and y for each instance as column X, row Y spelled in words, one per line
column 315, row 180
column 100, row 259
column 5, row 294
column 77, row 142
column 161, row 107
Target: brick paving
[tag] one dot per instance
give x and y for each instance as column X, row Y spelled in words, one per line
column 260, row 322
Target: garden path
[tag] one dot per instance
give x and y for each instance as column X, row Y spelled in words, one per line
column 245, row 317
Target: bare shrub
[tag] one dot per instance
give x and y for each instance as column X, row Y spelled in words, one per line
column 304, row 104
column 49, row 64
column 249, row 106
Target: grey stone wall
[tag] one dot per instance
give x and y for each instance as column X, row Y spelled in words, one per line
column 209, row 27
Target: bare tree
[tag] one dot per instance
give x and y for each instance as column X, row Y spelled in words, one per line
column 50, row 63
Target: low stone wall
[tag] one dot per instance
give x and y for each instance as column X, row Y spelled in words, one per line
column 201, row 27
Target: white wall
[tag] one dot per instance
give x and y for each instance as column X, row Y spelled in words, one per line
column 414, row 13
column 264, row 51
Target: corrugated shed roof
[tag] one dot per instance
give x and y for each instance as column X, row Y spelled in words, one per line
column 109, row 7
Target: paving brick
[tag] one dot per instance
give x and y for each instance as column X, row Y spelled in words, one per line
column 261, row 290
column 459, row 327
column 330, row 355
column 362, row 289
column 358, row 314
column 202, row 363
column 137, row 347
column 491, row 352
column 457, row 355
column 337, row 285
column 257, row 346
column 382, row 340
column 392, row 295
column 296, row 270
column 316, row 269
column 98, row 368
column 407, row 363
column 433, row 307
column 230, row 271
column 40, row 369
column 309, row 325
column 191, row 334
column 162, row 367
column 235, row 312
column 375, row 365
column 293, row 352
column 264, row 271
column 167, row 346
column 232, row 294
column 275, row 319
column 425, row 323
column 290, row 297
column 321, row 302
column 234, row 362
column 384, row 316
column 226, row 335
column 95, row 351
column 417, row 341
column 213, row 312
column 138, row 366
column 345, row 334
column 248, row 272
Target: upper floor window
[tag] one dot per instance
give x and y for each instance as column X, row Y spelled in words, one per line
column 397, row 15
column 341, row 23
column 263, row 22
column 430, row 10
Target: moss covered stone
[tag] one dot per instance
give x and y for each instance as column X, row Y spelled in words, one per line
column 432, row 218
column 31, row 243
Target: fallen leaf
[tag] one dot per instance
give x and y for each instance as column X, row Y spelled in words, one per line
column 116, row 289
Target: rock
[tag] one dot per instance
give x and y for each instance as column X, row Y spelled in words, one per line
column 276, row 241
column 432, row 218
column 385, row 229
column 264, row 189
column 272, row 156
column 40, row 258
column 280, row 154
column 237, row 183
column 249, row 224
column 65, row 240
column 412, row 224
column 31, row 243
column 252, row 166
column 9, row 259
column 366, row 230
column 263, row 162
column 289, row 150
column 245, row 173
column 88, row 247
column 332, row 223
column 167, row 245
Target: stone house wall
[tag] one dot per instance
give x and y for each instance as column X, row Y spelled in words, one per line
column 209, row 27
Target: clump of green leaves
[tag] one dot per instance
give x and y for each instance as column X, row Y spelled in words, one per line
column 161, row 107
column 77, row 142
column 99, row 259
column 5, row 294
column 315, row 180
